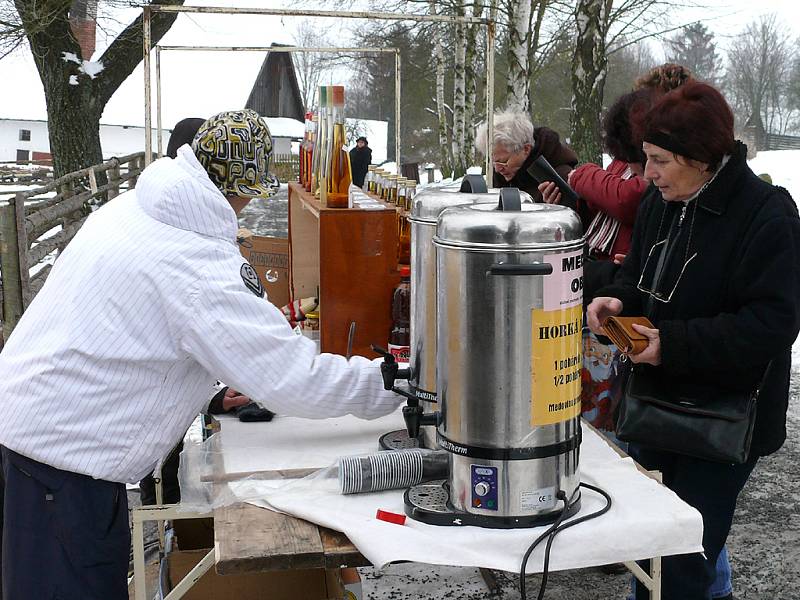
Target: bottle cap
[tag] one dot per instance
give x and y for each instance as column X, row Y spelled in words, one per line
column 338, row 95
column 405, row 271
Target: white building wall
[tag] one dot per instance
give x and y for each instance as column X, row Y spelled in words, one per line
column 116, row 140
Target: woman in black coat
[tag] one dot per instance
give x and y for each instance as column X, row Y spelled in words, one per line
column 724, row 301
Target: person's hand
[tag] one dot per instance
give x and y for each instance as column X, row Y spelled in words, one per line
column 569, row 177
column 550, row 193
column 619, row 258
column 233, row 399
column 652, row 354
column 599, row 310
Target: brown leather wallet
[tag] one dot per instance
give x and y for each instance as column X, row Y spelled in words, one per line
column 625, row 337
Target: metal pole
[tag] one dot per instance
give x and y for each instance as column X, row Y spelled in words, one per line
column 397, row 109
column 314, row 13
column 158, row 101
column 148, row 129
column 279, row 49
column 489, row 100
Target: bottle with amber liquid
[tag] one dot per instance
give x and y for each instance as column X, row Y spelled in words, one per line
column 339, row 174
column 309, row 155
column 400, row 335
column 404, row 233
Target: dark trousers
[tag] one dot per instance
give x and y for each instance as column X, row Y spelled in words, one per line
column 65, row 535
column 711, row 488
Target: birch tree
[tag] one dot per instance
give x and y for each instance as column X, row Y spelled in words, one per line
column 459, row 95
column 589, row 73
column 76, row 91
column 445, row 160
column 518, row 79
column 471, row 103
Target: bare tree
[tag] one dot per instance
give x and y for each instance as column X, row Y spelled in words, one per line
column 309, row 66
column 592, row 19
column 603, row 28
column 759, row 74
column 76, row 92
column 445, row 149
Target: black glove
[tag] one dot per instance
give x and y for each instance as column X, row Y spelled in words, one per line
column 252, row 412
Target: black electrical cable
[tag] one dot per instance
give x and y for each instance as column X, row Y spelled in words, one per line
column 551, row 532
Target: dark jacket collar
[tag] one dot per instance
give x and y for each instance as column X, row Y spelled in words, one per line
column 716, row 197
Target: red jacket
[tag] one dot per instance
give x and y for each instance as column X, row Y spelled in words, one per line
column 604, row 190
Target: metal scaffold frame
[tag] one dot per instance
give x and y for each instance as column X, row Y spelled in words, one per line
column 147, row 12
column 344, row 50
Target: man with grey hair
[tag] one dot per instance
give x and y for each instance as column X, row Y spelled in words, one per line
column 516, row 144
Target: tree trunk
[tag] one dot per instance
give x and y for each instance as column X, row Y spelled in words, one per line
column 471, row 103
column 438, row 57
column 588, row 78
column 459, row 96
column 519, row 39
column 75, row 101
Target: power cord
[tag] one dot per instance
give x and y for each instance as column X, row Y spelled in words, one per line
column 551, row 532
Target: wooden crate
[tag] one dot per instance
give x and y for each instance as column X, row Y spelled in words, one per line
column 350, row 256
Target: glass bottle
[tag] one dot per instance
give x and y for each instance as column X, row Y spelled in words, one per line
column 318, row 170
column 309, row 157
column 369, row 180
column 400, row 335
column 340, row 176
column 378, row 182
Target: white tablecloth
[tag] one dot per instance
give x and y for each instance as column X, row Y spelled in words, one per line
column 645, row 520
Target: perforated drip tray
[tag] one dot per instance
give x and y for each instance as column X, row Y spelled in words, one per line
column 398, row 440
column 430, row 503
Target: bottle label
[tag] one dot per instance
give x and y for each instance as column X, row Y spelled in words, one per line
column 402, row 354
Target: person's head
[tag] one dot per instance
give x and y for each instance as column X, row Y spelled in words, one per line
column 664, row 78
column 512, row 141
column 618, row 131
column 183, row 133
column 685, row 136
column 361, row 142
column 234, row 147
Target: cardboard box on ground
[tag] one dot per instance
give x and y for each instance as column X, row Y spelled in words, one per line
column 270, row 259
column 195, row 537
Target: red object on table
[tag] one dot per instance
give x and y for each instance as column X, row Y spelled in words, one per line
column 390, row 517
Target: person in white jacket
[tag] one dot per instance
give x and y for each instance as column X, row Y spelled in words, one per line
column 148, row 305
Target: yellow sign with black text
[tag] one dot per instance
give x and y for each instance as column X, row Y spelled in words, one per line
column 556, row 360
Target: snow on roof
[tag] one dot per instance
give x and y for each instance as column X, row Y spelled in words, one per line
column 286, row 127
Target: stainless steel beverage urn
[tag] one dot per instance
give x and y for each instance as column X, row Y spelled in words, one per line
column 510, row 290
column 428, row 204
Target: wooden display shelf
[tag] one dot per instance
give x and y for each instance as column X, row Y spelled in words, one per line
column 350, row 256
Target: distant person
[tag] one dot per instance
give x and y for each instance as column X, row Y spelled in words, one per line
column 155, row 303
column 360, row 159
column 516, row 144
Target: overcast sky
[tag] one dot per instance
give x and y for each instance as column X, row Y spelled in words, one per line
column 203, row 83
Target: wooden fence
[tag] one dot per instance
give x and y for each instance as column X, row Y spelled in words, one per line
column 28, row 224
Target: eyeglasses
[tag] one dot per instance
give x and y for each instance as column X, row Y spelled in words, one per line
column 504, row 163
column 661, row 296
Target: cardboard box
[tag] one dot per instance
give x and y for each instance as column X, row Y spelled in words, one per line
column 270, row 259
column 305, row 584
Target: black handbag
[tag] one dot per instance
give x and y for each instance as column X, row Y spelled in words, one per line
column 702, row 421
